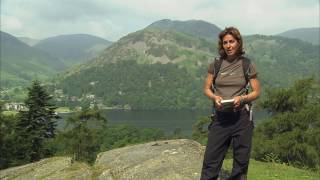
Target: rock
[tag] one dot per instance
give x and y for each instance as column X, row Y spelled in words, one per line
column 172, row 159
column 179, row 159
column 50, row 168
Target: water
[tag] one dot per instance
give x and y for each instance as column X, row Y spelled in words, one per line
column 166, row 120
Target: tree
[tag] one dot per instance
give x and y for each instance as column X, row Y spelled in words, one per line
column 35, row 125
column 177, row 133
column 84, row 137
column 200, row 129
column 122, row 135
column 7, row 138
column 292, row 133
column 290, row 99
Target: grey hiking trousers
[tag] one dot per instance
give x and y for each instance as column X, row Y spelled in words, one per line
column 228, row 127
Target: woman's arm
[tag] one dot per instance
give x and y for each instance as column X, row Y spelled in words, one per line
column 208, row 92
column 255, row 85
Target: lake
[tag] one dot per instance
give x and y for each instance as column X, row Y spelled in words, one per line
column 166, row 120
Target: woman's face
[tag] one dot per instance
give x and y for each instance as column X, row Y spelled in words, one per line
column 230, row 45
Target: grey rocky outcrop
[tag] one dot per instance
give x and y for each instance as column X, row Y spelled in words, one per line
column 50, row 168
column 172, row 159
column 163, row 160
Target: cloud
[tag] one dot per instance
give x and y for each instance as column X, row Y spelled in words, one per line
column 113, row 19
column 252, row 16
column 263, row 16
column 10, row 23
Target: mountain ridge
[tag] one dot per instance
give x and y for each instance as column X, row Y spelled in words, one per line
column 311, row 35
column 29, row 41
column 197, row 28
column 73, row 48
column 21, row 62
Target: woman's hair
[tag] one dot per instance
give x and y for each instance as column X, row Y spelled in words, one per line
column 236, row 34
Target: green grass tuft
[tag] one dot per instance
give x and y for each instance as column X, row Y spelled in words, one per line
column 265, row 171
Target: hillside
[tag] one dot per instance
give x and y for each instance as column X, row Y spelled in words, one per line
column 74, row 48
column 142, row 68
column 21, row 63
column 153, row 45
column 197, row 28
column 29, row 41
column 311, row 35
column 281, row 61
column 155, row 68
column 154, row 160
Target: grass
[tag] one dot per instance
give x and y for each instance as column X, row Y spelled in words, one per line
column 9, row 113
column 274, row 171
column 63, row 110
column 58, row 110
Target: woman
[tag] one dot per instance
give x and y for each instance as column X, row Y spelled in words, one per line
column 232, row 123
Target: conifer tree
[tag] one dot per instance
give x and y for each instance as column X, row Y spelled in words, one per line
column 292, row 133
column 36, row 124
column 84, row 139
column 7, row 137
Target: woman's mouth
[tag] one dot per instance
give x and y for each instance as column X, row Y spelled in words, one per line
column 229, row 51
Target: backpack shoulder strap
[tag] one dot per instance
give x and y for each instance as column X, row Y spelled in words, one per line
column 216, row 66
column 246, row 68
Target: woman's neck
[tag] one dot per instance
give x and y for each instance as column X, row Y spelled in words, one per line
column 232, row 58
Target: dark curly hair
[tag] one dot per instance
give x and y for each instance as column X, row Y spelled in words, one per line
column 236, row 34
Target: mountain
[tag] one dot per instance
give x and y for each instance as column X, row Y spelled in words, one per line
column 280, row 61
column 311, row 35
column 29, row 41
column 160, row 68
column 197, row 28
column 21, row 63
column 152, row 45
column 142, row 68
column 73, row 49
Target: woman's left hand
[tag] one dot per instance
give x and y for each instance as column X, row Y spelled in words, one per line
column 237, row 101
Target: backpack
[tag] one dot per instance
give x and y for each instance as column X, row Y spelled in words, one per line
column 245, row 66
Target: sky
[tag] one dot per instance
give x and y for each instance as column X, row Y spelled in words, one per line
column 113, row 19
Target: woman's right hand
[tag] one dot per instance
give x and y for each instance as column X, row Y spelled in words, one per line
column 217, row 101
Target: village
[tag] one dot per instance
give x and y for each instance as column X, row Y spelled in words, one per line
column 64, row 103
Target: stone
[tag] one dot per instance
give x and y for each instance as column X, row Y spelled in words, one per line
column 50, row 168
column 171, row 159
column 179, row 159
